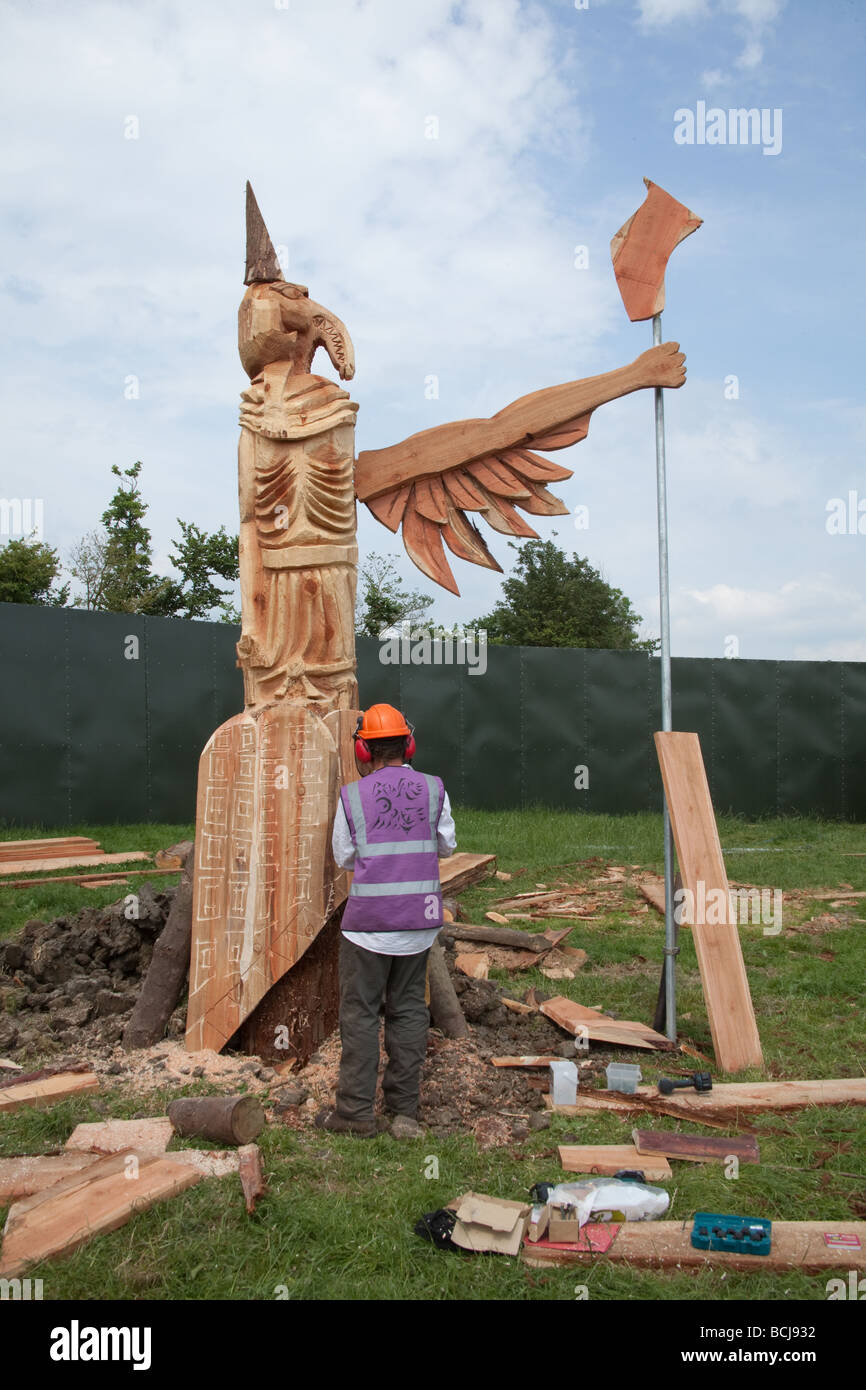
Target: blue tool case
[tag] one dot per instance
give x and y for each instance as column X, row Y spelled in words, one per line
column 747, row 1235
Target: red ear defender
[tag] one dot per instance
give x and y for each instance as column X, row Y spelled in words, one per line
column 362, row 747
column 410, row 748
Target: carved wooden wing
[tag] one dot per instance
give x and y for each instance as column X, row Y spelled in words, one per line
column 433, row 508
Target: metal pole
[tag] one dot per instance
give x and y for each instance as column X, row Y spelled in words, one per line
column 671, row 948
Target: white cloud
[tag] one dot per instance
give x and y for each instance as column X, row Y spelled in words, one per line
column 657, row 12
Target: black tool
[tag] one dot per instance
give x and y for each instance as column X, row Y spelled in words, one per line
column 701, row 1080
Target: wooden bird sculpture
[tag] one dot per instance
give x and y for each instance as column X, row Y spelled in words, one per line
column 265, row 884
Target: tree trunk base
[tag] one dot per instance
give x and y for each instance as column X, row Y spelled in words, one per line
column 302, row 1009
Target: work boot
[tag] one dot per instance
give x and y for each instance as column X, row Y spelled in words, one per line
column 338, row 1124
column 404, row 1127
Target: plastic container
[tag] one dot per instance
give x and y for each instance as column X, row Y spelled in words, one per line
column 563, row 1083
column 622, row 1076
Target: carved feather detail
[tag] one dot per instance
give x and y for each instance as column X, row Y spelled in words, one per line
column 432, row 509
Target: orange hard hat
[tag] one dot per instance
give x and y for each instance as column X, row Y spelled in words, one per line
column 382, row 721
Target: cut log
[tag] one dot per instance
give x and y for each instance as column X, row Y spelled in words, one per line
column 445, row 1011
column 697, row 1148
column 225, row 1119
column 717, row 945
column 168, row 969
column 175, row 856
column 808, row 1246
column 607, row 1159
column 105, row 1201
column 499, row 936
column 459, row 870
column 251, row 1174
column 47, row 1092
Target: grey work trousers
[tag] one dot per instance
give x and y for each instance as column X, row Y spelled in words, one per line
column 365, row 976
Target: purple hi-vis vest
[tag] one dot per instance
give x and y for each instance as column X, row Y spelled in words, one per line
column 393, row 815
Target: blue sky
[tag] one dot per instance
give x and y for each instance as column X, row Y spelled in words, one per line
column 454, row 257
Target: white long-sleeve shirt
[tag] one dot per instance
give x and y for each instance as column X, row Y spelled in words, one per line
column 392, row 943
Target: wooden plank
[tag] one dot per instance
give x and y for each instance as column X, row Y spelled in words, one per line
column 653, row 890
column 717, row 946
column 697, row 1148
column 47, row 1092
column 87, row 880
column 797, row 1245
column 607, row 1159
column 528, row 1061
column 28, row 1173
column 727, row 1103
column 459, row 870
column 47, row 849
column 149, row 1136
column 33, row 866
column 60, row 1225
column 575, row 1018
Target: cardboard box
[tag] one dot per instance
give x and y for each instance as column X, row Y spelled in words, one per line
column 563, row 1227
column 490, row 1223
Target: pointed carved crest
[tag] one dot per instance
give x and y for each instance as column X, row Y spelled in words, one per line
column 262, row 263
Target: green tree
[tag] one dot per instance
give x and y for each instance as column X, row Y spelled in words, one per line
column 553, row 601
column 128, row 584
column 198, row 556
column 28, row 569
column 382, row 601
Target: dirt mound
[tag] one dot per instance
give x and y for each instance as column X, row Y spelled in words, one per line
column 74, row 981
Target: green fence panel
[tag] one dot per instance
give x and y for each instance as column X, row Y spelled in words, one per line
column 743, row 772
column 621, row 751
column 180, row 688
column 810, row 737
column 551, row 727
column 491, row 721
column 97, row 730
column 34, row 763
column 109, row 765
column 852, row 677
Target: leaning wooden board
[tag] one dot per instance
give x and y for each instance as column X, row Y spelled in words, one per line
column 652, row 1244
column 725, row 1104
column 62, row 1220
column 720, row 958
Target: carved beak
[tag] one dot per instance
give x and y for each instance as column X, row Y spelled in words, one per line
column 331, row 334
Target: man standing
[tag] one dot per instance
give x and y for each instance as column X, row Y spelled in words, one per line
column 390, row 828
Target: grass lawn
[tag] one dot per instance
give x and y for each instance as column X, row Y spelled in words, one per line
column 337, row 1220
